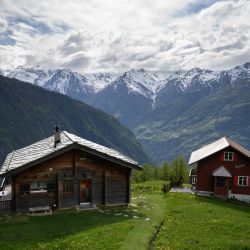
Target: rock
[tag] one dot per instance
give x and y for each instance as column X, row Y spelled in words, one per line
column 135, row 217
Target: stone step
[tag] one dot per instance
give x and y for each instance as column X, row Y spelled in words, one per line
column 85, row 206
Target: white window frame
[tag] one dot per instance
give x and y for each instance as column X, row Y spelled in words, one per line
column 227, row 155
column 193, row 179
column 39, row 189
column 240, row 178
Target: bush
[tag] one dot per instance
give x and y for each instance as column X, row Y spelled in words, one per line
column 166, row 187
column 148, row 186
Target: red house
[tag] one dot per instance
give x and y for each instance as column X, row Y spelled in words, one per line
column 222, row 169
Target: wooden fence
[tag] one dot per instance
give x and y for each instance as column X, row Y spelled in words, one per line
column 5, row 206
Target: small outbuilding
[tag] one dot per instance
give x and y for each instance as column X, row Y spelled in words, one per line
column 222, row 169
column 65, row 170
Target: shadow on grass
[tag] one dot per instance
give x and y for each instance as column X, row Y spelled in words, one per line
column 237, row 247
column 20, row 229
column 225, row 203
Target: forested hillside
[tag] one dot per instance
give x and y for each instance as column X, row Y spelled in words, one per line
column 29, row 113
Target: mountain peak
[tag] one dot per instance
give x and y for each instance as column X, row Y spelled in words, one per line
column 140, row 81
column 246, row 65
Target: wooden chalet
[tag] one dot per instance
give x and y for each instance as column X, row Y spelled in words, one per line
column 222, row 169
column 64, row 171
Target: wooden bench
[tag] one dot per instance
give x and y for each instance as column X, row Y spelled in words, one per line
column 40, row 210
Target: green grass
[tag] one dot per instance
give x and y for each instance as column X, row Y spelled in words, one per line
column 148, row 186
column 69, row 229
column 204, row 223
column 190, row 222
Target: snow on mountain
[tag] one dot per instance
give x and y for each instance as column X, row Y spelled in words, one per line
column 32, row 75
column 183, row 80
column 138, row 81
column 99, row 81
column 61, row 80
column 242, row 71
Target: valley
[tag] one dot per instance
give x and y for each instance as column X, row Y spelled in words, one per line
column 170, row 113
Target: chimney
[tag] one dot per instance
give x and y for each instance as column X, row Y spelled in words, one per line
column 57, row 137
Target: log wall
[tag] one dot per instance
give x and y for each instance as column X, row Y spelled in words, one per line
column 109, row 182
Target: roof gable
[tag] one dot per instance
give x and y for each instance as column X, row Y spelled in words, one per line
column 221, row 172
column 214, row 148
column 44, row 150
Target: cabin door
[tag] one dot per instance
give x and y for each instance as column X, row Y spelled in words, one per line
column 221, row 186
column 85, row 190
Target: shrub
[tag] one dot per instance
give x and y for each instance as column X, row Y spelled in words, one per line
column 166, row 187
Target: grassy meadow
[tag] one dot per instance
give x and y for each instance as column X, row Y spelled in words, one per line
column 188, row 222
column 106, row 228
column 204, row 223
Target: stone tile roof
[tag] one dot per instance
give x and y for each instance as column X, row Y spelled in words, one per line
column 214, row 148
column 45, row 147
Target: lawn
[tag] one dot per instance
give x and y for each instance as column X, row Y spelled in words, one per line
column 189, row 222
column 204, row 223
column 107, row 228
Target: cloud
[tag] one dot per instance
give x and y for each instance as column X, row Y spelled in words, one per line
column 107, row 35
column 11, row 57
column 78, row 61
column 3, row 25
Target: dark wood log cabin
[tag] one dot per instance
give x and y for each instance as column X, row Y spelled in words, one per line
column 222, row 169
column 65, row 170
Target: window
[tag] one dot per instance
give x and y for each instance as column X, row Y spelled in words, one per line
column 24, row 188
column 228, row 156
column 242, row 181
column 220, row 181
column 68, row 186
column 193, row 179
column 38, row 187
column 51, row 187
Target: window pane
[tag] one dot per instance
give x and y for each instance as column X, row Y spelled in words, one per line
column 51, row 187
column 242, row 180
column 228, row 156
column 24, row 188
column 220, row 181
column 38, row 185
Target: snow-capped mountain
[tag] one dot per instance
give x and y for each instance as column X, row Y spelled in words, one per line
column 193, row 78
column 65, row 81
column 61, row 80
column 239, row 72
column 166, row 111
column 138, row 81
column 32, row 75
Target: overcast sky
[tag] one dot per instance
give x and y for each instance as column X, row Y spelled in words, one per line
column 117, row 35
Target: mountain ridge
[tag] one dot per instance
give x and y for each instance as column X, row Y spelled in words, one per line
column 140, row 81
column 29, row 113
column 153, row 105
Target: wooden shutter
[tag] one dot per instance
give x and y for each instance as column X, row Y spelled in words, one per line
column 248, row 181
column 235, row 157
column 235, row 180
column 222, row 156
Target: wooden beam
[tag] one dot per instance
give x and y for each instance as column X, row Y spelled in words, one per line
column 74, row 163
column 58, row 193
column 129, row 187
column 13, row 188
column 104, row 188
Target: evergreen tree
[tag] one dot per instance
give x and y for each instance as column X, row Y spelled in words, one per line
column 165, row 171
column 179, row 171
